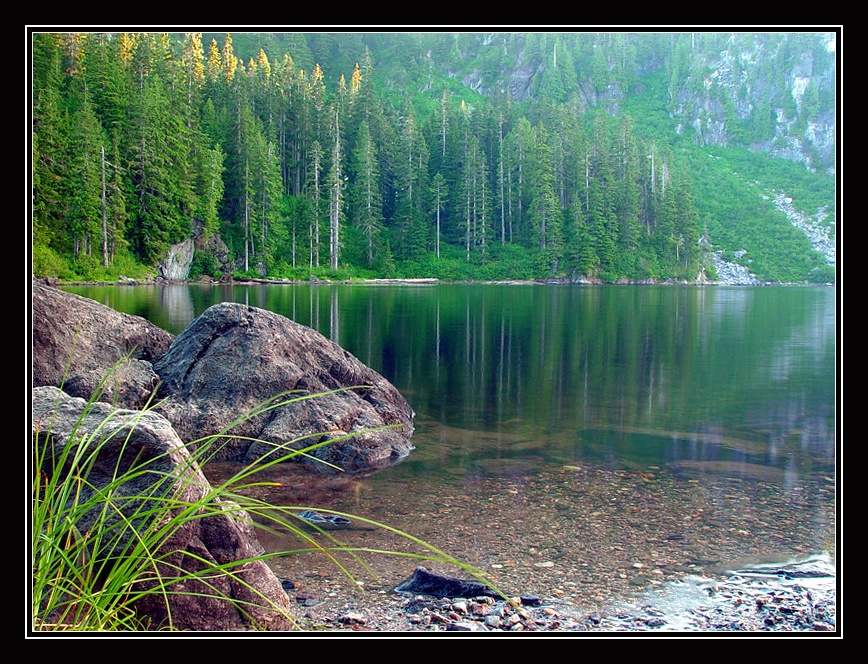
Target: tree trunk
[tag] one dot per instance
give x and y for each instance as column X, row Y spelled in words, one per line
column 105, row 260
column 246, row 216
column 502, row 221
column 437, row 239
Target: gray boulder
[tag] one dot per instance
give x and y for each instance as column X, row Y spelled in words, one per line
column 176, row 265
column 233, row 357
column 147, row 442
column 76, row 341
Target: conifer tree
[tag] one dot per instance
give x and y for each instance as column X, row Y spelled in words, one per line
column 83, row 179
column 314, row 194
column 230, row 62
column 365, row 199
column 215, row 62
column 336, row 188
column 50, row 163
column 117, row 205
column 545, row 211
column 439, row 194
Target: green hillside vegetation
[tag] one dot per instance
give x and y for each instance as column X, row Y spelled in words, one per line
column 342, row 155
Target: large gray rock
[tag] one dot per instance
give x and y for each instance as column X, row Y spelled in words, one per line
column 176, row 265
column 76, row 342
column 135, row 440
column 234, row 357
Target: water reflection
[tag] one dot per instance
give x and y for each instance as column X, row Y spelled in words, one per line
column 177, row 302
column 724, row 379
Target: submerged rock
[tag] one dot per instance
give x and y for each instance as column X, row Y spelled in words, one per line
column 425, row 582
column 77, row 341
column 147, row 442
column 232, row 358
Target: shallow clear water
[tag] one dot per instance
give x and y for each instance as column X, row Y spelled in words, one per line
column 588, row 426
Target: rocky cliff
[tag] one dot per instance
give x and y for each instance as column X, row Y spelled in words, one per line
column 771, row 92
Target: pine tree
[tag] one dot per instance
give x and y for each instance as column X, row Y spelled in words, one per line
column 580, row 253
column 687, row 226
column 83, row 180
column 314, row 194
column 365, row 199
column 117, row 205
column 439, row 194
column 50, row 163
column 444, row 123
column 230, row 62
column 628, row 195
column 600, row 222
column 160, row 172
column 545, row 211
column 215, row 62
column 209, row 187
column 666, row 233
column 336, row 186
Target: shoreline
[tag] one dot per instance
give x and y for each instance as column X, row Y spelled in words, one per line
column 421, row 281
column 596, row 566
column 793, row 596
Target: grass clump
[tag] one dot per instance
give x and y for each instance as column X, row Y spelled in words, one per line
column 102, row 544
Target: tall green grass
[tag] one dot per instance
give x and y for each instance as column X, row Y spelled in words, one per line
column 90, row 577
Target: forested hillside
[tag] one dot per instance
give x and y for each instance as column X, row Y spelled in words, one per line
column 458, row 156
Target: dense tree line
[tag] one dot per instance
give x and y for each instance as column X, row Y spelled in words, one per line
column 141, row 140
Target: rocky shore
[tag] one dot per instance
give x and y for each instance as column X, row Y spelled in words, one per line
column 229, row 361
column 603, row 549
column 797, row 596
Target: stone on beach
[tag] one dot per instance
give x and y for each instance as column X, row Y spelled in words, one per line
column 425, row 582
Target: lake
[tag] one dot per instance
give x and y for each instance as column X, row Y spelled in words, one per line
column 626, row 435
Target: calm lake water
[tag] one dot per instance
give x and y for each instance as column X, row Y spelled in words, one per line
column 717, row 402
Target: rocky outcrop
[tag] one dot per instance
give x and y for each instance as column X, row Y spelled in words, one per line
column 233, row 357
column 76, row 342
column 729, row 97
column 730, row 273
column 213, row 245
column 176, row 265
column 146, row 442
column 818, row 234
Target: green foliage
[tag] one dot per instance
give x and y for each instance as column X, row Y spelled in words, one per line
column 49, row 263
column 823, row 275
column 204, row 264
column 275, row 156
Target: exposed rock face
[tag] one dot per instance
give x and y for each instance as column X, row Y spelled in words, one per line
column 176, row 265
column 732, row 274
column 770, row 92
column 212, row 244
column 76, row 341
column 232, row 358
column 147, row 441
column 817, row 233
column 792, row 113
